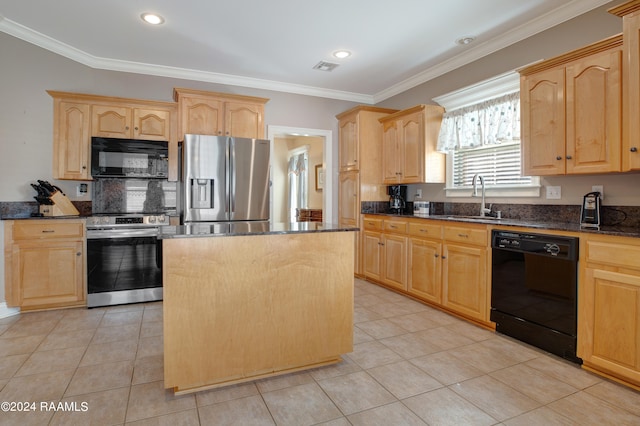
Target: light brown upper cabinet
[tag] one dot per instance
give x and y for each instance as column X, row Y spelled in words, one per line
column 114, row 121
column 77, row 117
column 571, row 112
column 71, row 139
column 630, row 13
column 360, row 141
column 409, row 146
column 220, row 114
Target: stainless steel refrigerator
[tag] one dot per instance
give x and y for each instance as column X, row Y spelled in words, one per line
column 225, row 179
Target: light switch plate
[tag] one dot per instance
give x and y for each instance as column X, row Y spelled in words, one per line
column 554, row 193
column 418, row 193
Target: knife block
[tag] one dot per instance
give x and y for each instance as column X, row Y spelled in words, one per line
column 61, row 206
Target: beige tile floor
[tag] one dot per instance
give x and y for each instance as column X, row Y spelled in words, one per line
column 411, row 365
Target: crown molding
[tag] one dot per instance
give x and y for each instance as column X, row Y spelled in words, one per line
column 19, row 31
column 542, row 23
column 555, row 17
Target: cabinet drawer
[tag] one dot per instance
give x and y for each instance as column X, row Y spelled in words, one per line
column 399, row 226
column 373, row 224
column 28, row 229
column 425, row 229
column 613, row 253
column 477, row 236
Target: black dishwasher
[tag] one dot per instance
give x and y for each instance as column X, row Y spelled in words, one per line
column 534, row 290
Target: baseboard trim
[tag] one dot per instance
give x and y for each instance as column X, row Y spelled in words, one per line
column 6, row 311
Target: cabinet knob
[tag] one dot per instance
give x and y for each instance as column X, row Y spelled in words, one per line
column 436, row 255
column 135, row 128
column 126, row 128
column 79, row 254
column 558, row 158
column 444, row 257
column 633, row 149
column 48, row 231
column 569, row 157
column 463, row 236
column 84, row 167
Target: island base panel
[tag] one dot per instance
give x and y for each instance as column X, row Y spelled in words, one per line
column 238, row 308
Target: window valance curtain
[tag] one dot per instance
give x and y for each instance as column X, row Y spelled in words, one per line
column 487, row 123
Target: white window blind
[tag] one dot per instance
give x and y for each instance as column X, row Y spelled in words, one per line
column 499, row 165
column 479, row 139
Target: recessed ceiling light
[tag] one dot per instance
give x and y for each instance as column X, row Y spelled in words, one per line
column 152, row 18
column 341, row 54
column 465, row 40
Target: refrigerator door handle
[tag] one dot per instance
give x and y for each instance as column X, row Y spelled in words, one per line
column 232, row 177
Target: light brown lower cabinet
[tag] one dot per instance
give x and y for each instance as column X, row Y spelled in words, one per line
column 609, row 307
column 442, row 263
column 45, row 263
column 465, row 269
column 425, row 263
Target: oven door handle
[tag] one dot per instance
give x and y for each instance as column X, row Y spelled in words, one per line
column 107, row 234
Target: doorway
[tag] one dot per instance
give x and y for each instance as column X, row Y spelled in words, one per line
column 320, row 169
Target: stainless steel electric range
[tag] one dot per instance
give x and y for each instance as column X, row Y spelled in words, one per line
column 124, row 259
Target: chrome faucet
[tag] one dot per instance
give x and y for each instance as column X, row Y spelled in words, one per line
column 483, row 209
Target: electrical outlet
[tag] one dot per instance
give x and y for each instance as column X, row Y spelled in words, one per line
column 554, row 193
column 418, row 193
column 81, row 190
column 600, row 189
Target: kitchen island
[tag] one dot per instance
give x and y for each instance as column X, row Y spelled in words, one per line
column 248, row 301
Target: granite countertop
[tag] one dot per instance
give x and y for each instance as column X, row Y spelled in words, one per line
column 551, row 226
column 199, row 230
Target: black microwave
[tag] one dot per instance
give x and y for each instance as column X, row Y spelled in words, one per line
column 129, row 158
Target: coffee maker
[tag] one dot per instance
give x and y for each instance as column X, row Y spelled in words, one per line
column 397, row 195
column 590, row 212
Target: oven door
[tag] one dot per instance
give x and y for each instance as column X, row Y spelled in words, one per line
column 123, row 266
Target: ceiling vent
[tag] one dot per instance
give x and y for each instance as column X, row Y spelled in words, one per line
column 325, row 66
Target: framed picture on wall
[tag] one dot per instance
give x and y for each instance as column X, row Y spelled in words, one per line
column 319, row 177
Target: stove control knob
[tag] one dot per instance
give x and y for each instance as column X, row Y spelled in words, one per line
column 105, row 220
column 162, row 219
column 152, row 219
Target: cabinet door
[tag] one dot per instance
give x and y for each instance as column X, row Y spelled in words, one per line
column 543, row 123
column 631, row 114
column 390, row 160
column 72, row 141
column 243, row 120
column 594, row 116
column 394, row 272
column 47, row 274
column 348, row 198
column 349, row 209
column 464, row 281
column 609, row 322
column 111, row 121
column 348, row 139
column 200, row 116
column 372, row 258
column 152, row 124
column 411, row 148
column 424, row 270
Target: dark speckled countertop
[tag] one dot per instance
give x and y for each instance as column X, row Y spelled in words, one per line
column 550, row 226
column 199, row 230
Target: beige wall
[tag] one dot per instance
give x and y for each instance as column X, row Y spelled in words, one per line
column 26, row 71
column 588, row 28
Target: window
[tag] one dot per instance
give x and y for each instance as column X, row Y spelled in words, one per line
column 481, row 135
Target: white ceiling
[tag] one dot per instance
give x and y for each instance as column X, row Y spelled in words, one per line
column 274, row 44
